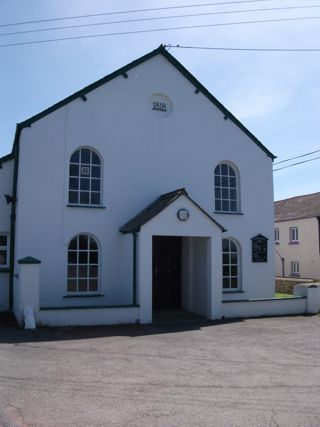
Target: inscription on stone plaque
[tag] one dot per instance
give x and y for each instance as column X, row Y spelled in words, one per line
column 159, row 106
column 259, row 248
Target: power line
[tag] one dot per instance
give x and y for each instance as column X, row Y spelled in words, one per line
column 298, row 163
column 297, row 157
column 254, row 49
column 161, row 29
column 192, row 15
column 129, row 11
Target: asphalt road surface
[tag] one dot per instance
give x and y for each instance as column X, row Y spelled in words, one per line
column 256, row 372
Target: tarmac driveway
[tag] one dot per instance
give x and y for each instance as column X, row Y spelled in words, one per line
column 256, row 372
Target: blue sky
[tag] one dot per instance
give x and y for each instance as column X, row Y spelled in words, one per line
column 275, row 95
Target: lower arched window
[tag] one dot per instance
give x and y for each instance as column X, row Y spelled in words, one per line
column 230, row 265
column 83, row 264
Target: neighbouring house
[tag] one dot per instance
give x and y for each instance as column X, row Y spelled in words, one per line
column 140, row 192
column 297, row 236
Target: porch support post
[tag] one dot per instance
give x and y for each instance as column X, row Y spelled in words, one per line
column 145, row 277
column 215, row 265
column 134, row 269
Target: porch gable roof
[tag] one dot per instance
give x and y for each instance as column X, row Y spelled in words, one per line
column 134, row 224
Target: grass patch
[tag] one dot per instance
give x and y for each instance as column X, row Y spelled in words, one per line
column 282, row 295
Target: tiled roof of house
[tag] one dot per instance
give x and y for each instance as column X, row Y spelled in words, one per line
column 307, row 206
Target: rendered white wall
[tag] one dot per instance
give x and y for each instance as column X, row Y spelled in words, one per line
column 275, row 307
column 307, row 252
column 90, row 317
column 195, row 275
column 144, row 156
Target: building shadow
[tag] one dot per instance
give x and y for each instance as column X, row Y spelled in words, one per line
column 11, row 333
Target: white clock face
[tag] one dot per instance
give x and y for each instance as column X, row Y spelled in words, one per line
column 183, row 214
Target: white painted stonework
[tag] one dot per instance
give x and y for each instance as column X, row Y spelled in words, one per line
column 144, row 152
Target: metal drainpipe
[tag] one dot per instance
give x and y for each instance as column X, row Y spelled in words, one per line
column 134, row 270
column 282, row 262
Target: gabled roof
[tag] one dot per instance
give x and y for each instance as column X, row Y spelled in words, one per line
column 299, row 207
column 6, row 158
column 157, row 206
column 123, row 71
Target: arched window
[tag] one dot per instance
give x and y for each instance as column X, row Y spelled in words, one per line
column 85, row 178
column 83, row 264
column 230, row 265
column 226, row 188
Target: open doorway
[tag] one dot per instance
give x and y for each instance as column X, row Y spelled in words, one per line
column 166, row 267
column 180, row 278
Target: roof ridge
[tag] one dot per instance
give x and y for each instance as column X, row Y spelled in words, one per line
column 296, row 197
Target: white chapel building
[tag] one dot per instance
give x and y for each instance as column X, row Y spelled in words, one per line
column 140, row 192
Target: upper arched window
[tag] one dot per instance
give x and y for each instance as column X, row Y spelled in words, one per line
column 226, row 188
column 230, row 265
column 83, row 264
column 85, row 178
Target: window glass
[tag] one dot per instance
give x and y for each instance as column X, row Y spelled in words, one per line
column 83, row 264
column 85, row 178
column 4, row 250
column 294, row 234
column 225, row 190
column 230, row 265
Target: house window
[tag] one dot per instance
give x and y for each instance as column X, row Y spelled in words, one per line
column 225, row 188
column 295, row 268
column 83, row 264
column 230, row 265
column 4, row 250
column 294, row 234
column 85, row 178
column 276, row 235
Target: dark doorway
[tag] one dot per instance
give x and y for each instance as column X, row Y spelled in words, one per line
column 166, row 276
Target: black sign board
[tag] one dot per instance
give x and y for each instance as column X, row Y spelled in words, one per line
column 259, row 248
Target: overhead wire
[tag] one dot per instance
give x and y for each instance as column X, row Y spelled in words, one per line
column 92, row 15
column 297, row 163
column 159, row 29
column 157, row 18
column 297, row 157
column 248, row 49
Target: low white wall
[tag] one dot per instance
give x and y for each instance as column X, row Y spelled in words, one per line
column 88, row 316
column 312, row 292
column 270, row 307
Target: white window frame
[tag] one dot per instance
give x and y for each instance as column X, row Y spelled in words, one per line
column 6, row 248
column 83, row 175
column 276, row 235
column 295, row 268
column 77, row 265
column 294, row 235
column 221, row 188
column 229, row 266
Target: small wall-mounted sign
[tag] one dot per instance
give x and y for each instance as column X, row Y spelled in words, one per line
column 183, row 214
column 159, row 106
column 259, row 248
